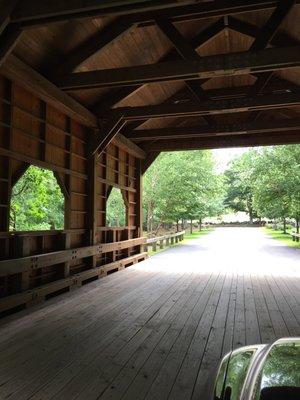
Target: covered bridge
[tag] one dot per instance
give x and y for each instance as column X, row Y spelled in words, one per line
column 95, row 90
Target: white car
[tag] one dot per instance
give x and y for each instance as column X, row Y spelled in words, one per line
column 261, row 372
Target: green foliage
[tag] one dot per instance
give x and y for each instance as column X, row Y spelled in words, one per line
column 115, row 209
column 239, row 179
column 37, row 202
column 277, row 183
column 182, row 185
column 266, row 182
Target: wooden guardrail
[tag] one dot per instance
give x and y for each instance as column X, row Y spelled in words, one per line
column 27, row 264
column 295, row 236
column 165, row 240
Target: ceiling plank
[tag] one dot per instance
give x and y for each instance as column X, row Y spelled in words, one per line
column 270, row 59
column 90, row 47
column 142, row 135
column 261, row 139
column 27, row 77
column 262, row 102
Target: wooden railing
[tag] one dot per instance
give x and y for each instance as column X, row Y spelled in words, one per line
column 29, row 264
column 26, row 264
column 166, row 240
column 295, row 236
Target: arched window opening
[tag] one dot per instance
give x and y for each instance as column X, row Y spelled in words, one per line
column 37, row 202
column 116, row 209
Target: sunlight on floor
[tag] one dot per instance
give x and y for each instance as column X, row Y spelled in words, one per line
column 236, row 251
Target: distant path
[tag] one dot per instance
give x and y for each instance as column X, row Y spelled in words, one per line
column 249, row 249
column 156, row 330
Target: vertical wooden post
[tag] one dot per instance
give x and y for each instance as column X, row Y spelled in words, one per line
column 92, row 198
column 66, row 245
column 24, row 252
column 139, row 201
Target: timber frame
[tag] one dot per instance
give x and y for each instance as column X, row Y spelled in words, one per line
column 94, row 91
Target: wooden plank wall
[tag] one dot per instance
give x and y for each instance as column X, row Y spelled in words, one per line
column 33, row 132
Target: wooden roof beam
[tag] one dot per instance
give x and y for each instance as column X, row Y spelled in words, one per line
column 188, row 132
column 33, row 12
column 268, row 31
column 264, row 37
column 90, row 47
column 270, row 59
column 150, row 158
column 258, row 139
column 8, row 35
column 120, row 94
column 6, row 8
column 262, row 102
column 187, row 52
column 8, row 41
column 106, row 134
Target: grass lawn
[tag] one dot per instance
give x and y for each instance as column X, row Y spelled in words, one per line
column 285, row 238
column 187, row 237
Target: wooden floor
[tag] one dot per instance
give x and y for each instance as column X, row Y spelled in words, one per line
column 156, row 330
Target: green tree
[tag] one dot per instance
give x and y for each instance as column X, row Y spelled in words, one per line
column 115, row 209
column 277, row 183
column 181, row 186
column 37, row 202
column 239, row 178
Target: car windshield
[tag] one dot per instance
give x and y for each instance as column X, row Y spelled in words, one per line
column 280, row 374
column 237, row 368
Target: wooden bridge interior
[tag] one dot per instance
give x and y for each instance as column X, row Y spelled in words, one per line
column 94, row 91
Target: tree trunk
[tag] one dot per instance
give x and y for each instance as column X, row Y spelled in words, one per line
column 297, row 225
column 200, row 224
column 191, row 227
column 177, row 225
column 284, row 225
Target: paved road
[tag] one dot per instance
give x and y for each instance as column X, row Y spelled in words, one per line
column 156, row 330
column 247, row 249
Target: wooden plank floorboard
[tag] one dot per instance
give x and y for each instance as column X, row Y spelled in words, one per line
column 156, row 330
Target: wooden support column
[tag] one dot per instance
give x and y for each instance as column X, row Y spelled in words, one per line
column 139, row 202
column 92, row 199
column 24, row 252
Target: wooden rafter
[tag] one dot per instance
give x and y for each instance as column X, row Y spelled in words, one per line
column 91, row 46
column 187, row 52
column 141, row 135
column 263, row 102
column 8, row 41
column 34, row 12
column 9, row 35
column 151, row 157
column 102, row 138
column 121, row 93
column 271, row 59
column 6, row 8
column 262, row 139
column 263, row 39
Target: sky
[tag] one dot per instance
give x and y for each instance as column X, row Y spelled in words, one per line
column 224, row 156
